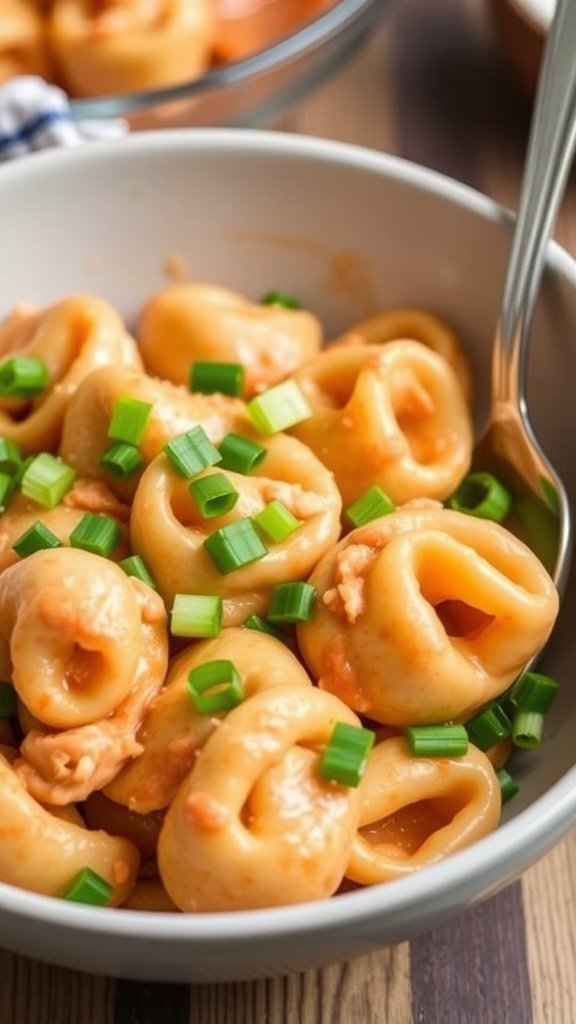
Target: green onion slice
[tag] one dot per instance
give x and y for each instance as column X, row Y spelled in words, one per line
column 8, row 705
column 136, row 566
column 260, row 625
column 224, row 378
column 215, row 495
column 96, row 533
column 234, row 546
column 482, row 495
column 346, row 754
column 22, row 377
column 282, row 299
column 47, row 479
column 122, row 460
column 278, row 408
column 7, row 485
column 489, row 727
column 10, row 456
column 437, row 740
column 36, row 538
column 277, row 521
column 215, row 687
column 240, row 455
column 88, row 887
column 292, row 602
column 192, row 452
column 196, row 615
column 370, row 505
column 527, row 727
column 508, row 785
column 129, row 419
column 534, row 692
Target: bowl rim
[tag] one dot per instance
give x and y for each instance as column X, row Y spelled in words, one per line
column 491, row 861
column 289, row 48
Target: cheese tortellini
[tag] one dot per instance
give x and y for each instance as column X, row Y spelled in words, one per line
column 189, row 762
column 393, row 416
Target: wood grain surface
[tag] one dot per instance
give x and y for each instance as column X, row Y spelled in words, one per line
column 430, row 86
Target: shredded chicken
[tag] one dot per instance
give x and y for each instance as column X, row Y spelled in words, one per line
column 347, row 596
column 94, row 496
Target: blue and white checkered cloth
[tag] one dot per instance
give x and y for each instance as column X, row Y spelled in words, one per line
column 35, row 115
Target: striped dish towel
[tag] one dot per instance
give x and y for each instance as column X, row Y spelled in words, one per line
column 35, row 115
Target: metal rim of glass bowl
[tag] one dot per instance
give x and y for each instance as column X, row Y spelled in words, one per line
column 330, row 25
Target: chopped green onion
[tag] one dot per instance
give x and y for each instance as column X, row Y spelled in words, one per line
column 292, row 602
column 481, row 494
column 370, row 505
column 276, row 298
column 534, row 692
column 278, row 408
column 88, row 887
column 196, row 615
column 437, row 740
column 129, row 419
column 215, row 687
column 96, row 533
column 508, row 785
column 47, row 479
column 214, row 495
column 19, row 474
column 192, row 452
column 235, row 545
column 527, row 728
column 10, row 456
column 489, row 727
column 22, row 377
column 36, row 538
column 136, row 566
column 224, row 378
column 346, row 754
column 277, row 521
column 240, row 455
column 8, row 706
column 7, row 485
column 122, row 460
column 260, row 625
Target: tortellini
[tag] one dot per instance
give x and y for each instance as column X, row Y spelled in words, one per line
column 174, row 411
column 189, row 322
column 71, row 338
column 125, row 46
column 393, row 416
column 23, row 49
column 173, row 730
column 425, row 615
column 168, row 531
column 254, row 809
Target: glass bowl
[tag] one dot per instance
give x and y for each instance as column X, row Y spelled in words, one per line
column 254, row 89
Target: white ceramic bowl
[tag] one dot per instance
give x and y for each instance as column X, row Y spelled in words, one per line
column 344, row 229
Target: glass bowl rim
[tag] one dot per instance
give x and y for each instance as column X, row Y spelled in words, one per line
column 321, row 28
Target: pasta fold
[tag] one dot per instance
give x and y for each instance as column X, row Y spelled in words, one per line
column 189, row 322
column 393, row 416
column 254, row 809
column 425, row 615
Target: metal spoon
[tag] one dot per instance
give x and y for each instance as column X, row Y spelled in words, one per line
column 508, row 446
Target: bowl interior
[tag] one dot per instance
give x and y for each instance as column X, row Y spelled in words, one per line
column 348, row 232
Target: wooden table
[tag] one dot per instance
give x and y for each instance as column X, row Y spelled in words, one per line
column 430, row 86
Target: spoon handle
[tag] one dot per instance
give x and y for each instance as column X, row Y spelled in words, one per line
column 549, row 157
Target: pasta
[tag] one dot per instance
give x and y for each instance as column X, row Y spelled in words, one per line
column 230, row 616
column 71, row 338
column 169, row 533
column 187, row 322
column 126, row 46
column 426, row 615
column 393, row 416
column 173, row 731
